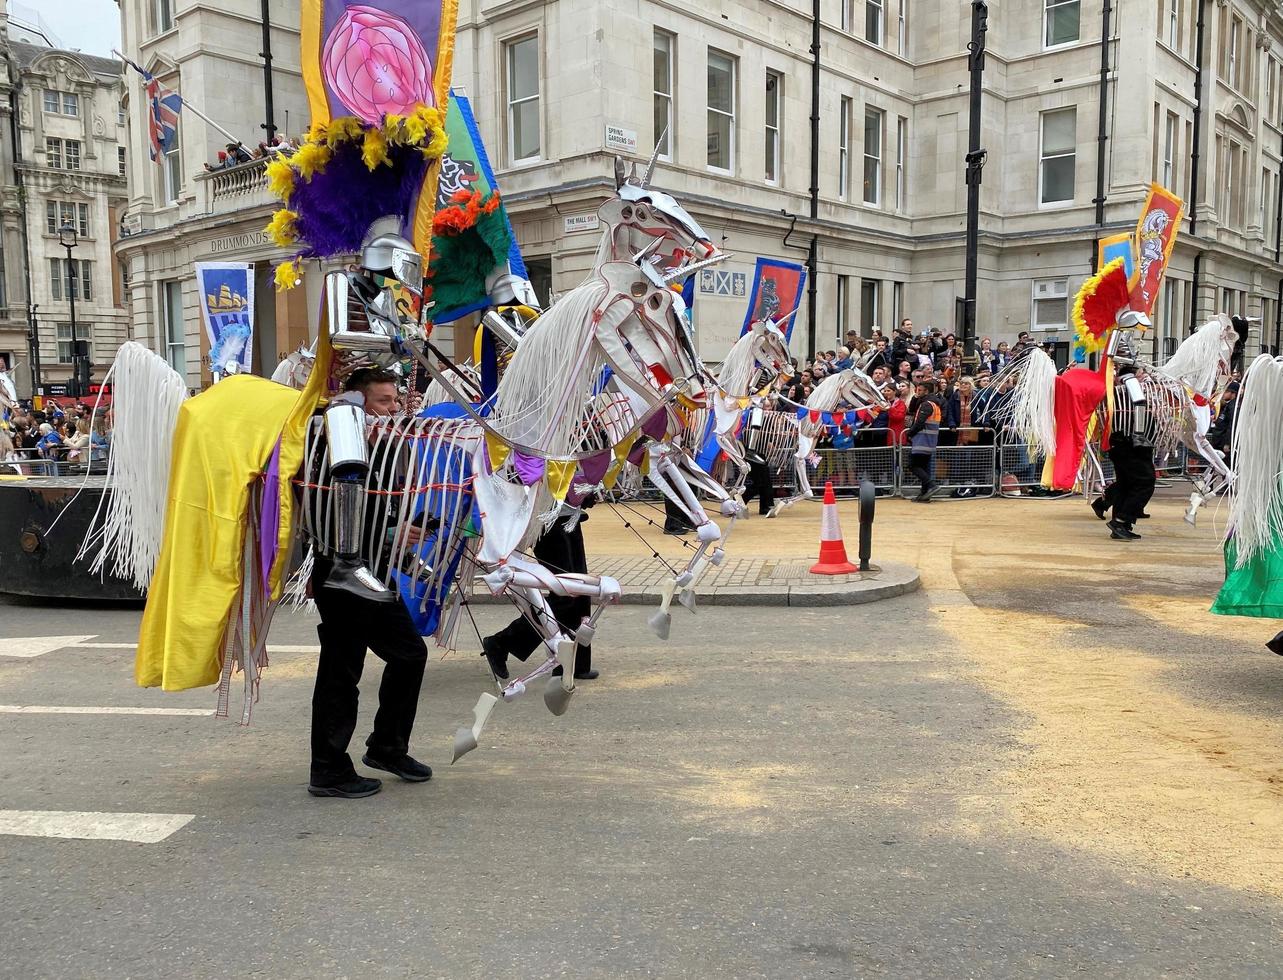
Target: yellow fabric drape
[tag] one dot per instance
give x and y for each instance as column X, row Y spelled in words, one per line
column 223, row 441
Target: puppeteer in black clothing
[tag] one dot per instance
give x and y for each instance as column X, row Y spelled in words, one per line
column 352, row 622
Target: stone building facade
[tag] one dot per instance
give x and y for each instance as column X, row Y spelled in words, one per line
column 60, row 162
column 561, row 87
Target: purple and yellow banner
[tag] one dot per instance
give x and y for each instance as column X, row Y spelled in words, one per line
column 378, row 61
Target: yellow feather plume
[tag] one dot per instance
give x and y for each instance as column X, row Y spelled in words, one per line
column 343, row 129
column 374, row 150
column 288, row 274
column 280, row 179
column 436, row 147
column 283, row 228
column 310, row 158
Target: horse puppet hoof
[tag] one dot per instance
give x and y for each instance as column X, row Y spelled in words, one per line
column 687, row 598
column 556, row 697
column 464, row 742
column 660, row 623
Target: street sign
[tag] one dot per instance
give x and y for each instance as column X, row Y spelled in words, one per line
column 618, row 138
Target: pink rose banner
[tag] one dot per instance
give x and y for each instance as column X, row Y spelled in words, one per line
column 376, row 58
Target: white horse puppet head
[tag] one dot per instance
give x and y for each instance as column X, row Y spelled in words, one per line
column 1204, row 358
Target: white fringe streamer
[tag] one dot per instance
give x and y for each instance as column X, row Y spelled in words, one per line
column 1033, row 402
column 1256, row 505
column 128, row 526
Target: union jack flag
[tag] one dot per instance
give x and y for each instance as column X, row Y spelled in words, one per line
column 164, row 106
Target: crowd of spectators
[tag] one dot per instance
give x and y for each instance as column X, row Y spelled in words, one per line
column 53, row 439
column 236, row 153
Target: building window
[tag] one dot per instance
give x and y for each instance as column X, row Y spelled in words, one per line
column 664, row 44
column 870, row 290
column 1056, row 160
column 84, row 334
column 1050, row 304
column 120, row 115
column 62, row 103
column 844, row 149
column 721, row 111
column 77, row 277
column 844, row 306
column 873, row 21
column 1268, row 109
column 172, row 173
column 1265, row 199
column 901, row 156
column 872, row 156
column 62, row 154
column 901, row 30
column 1167, row 323
column 1231, row 53
column 523, row 99
column 1172, row 32
column 774, row 90
column 847, row 18
column 59, row 213
column 897, row 302
column 1060, row 22
column 120, row 159
column 162, row 15
column 1169, row 152
column 171, row 310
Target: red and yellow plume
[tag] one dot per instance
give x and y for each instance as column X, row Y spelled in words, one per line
column 1097, row 304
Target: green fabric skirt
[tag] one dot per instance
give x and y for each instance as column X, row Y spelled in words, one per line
column 1256, row 589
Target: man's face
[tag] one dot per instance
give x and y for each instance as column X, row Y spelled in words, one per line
column 879, row 375
column 928, row 373
column 380, row 399
column 917, row 376
column 806, row 377
column 983, row 380
column 906, row 326
column 882, row 344
column 920, row 391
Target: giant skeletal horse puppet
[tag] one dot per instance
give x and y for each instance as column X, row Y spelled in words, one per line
column 539, row 443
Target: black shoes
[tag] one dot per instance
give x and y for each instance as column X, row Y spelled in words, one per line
column 1120, row 531
column 677, row 531
column 497, row 658
column 353, row 789
column 1099, row 506
column 409, row 769
column 1143, row 517
column 1276, row 644
column 591, row 674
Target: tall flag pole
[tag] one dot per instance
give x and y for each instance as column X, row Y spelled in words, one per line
column 164, row 107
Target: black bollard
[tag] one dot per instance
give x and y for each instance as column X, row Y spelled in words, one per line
column 868, row 498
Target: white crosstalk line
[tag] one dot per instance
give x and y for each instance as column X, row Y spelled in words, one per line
column 138, row 828
column 71, row 709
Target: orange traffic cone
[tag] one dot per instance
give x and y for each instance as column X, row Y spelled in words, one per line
column 832, row 550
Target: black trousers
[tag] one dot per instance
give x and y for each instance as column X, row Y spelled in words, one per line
column 1134, row 480
column 674, row 517
column 349, row 625
column 921, row 465
column 561, row 551
column 760, row 485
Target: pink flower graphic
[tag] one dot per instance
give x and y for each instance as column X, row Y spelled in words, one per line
column 375, row 63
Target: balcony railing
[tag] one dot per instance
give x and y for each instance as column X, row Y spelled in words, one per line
column 240, row 181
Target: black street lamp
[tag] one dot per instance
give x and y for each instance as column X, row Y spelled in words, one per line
column 68, row 239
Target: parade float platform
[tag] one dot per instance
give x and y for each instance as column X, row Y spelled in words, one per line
column 43, row 520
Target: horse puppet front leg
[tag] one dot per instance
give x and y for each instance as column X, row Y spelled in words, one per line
column 1216, row 481
column 527, row 582
column 677, row 477
column 805, row 446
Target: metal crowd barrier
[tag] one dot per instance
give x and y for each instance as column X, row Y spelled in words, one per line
column 1019, row 467
column 965, row 464
column 848, row 467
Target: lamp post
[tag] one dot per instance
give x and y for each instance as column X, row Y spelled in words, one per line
column 68, row 239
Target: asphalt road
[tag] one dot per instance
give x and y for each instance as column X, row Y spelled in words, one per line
column 773, row 793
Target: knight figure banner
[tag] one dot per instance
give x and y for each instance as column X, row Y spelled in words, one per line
column 227, row 305
column 777, row 289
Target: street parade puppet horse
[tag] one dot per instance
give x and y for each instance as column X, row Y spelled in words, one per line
column 1254, row 536
column 482, row 486
column 850, row 387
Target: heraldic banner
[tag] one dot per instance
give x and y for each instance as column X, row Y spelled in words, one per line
column 777, row 290
column 227, row 304
column 1156, row 231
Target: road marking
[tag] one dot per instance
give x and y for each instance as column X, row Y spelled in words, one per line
column 271, row 647
column 36, row 646
column 140, row 828
column 71, row 709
